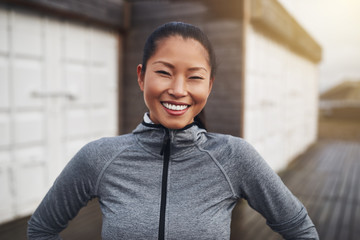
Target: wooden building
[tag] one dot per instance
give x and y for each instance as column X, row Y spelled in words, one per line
column 60, row 65
column 68, row 75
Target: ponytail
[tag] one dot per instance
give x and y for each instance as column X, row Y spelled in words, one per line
column 200, row 119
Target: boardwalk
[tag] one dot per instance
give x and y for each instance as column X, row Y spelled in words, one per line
column 325, row 179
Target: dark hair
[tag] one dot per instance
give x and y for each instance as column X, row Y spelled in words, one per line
column 184, row 30
column 200, row 119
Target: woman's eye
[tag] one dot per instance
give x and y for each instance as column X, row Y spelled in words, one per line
column 196, row 77
column 163, row 72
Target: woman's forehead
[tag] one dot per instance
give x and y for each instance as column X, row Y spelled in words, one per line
column 179, row 47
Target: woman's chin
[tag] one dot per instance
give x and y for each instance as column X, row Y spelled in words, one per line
column 175, row 125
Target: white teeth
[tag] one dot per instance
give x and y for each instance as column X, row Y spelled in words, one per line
column 174, row 107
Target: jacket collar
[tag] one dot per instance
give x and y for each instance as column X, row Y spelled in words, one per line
column 151, row 136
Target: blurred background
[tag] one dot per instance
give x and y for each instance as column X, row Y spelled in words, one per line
column 288, row 81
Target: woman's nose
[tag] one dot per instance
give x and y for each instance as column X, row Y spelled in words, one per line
column 178, row 88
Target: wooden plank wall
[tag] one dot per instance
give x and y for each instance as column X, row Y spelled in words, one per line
column 109, row 13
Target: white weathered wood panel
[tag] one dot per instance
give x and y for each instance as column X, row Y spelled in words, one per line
column 5, row 140
column 280, row 99
column 29, row 175
column 4, row 83
column 27, row 37
column 4, row 45
column 76, row 43
column 29, row 128
column 27, row 78
column 58, row 91
column 6, row 199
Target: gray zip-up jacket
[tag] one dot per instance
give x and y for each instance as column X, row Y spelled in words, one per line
column 157, row 183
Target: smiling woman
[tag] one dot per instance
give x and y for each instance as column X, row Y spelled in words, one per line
column 170, row 178
column 176, row 82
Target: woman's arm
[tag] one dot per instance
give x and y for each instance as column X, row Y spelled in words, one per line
column 71, row 191
column 267, row 194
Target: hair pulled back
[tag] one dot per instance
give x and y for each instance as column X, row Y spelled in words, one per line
column 184, row 30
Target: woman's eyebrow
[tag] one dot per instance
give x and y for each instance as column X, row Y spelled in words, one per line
column 197, row 68
column 169, row 65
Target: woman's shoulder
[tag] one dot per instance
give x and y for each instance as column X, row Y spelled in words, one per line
column 226, row 141
column 101, row 150
column 109, row 142
column 231, row 150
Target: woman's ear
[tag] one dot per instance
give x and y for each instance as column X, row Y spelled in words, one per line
column 140, row 76
column 211, row 84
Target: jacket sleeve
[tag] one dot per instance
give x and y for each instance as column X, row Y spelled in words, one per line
column 70, row 192
column 267, row 194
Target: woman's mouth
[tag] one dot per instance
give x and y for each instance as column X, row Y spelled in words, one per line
column 175, row 107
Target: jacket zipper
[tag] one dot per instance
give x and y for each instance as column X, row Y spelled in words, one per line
column 165, row 151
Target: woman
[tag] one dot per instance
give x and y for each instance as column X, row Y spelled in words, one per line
column 169, row 178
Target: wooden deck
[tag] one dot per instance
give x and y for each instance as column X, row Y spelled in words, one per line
column 325, row 179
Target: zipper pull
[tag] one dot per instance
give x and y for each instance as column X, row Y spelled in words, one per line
column 166, row 141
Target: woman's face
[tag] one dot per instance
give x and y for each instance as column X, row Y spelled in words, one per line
column 176, row 83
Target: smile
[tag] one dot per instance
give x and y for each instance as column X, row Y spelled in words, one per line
column 174, row 107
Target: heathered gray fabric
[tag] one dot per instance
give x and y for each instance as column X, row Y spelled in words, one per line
column 208, row 174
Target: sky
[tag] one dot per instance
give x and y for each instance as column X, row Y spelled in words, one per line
column 335, row 25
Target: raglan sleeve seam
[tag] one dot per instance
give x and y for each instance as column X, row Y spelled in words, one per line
column 104, row 168
column 221, row 169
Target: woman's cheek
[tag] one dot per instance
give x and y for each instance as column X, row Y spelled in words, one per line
column 201, row 93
